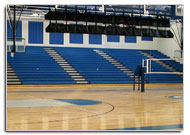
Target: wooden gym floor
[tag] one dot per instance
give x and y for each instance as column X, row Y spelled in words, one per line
column 94, row 107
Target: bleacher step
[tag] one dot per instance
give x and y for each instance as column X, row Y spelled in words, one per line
column 57, row 58
column 106, row 56
column 54, row 54
column 121, row 67
column 64, row 64
column 12, row 77
column 14, row 83
column 12, row 73
column 73, row 74
column 115, row 62
column 51, row 51
column 78, row 76
column 125, row 69
column 71, row 71
column 13, row 80
column 100, row 52
column 118, row 65
column 128, row 72
column 82, row 82
column 67, row 67
column 79, row 79
column 60, row 60
column 9, row 68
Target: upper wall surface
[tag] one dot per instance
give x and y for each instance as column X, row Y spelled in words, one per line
column 166, row 46
column 89, row 41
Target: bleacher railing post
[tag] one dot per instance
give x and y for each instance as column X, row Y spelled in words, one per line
column 142, row 79
column 134, row 83
column 143, row 62
column 147, row 65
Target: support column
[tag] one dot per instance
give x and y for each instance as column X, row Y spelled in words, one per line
column 14, row 30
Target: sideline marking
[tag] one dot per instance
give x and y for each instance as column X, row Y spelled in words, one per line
column 80, row 101
column 153, row 127
column 176, row 97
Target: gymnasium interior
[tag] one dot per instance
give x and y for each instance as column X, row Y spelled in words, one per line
column 94, row 67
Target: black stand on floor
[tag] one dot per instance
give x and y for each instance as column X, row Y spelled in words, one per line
column 139, row 73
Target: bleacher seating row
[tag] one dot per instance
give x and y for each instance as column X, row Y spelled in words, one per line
column 35, row 66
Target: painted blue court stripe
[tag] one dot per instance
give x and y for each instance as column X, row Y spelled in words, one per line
column 42, row 91
column 153, row 127
column 176, row 97
column 80, row 101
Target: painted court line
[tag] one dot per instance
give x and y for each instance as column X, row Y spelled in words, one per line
column 50, row 102
column 35, row 103
column 164, row 127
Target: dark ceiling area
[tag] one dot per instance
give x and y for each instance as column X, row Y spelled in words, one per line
column 38, row 11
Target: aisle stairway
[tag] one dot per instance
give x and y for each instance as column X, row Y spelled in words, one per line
column 115, row 62
column 159, row 62
column 66, row 66
column 12, row 78
column 163, row 63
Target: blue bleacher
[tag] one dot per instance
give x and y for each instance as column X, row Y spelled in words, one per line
column 164, row 78
column 94, row 67
column 37, row 67
column 133, row 58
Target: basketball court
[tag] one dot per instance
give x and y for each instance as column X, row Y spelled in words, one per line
column 95, row 108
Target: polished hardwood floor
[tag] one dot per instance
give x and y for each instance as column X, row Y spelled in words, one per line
column 119, row 107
